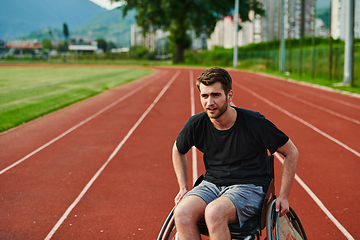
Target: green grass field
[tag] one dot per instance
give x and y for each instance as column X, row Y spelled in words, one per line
column 29, row 92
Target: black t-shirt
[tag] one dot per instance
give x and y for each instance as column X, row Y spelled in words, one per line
column 237, row 155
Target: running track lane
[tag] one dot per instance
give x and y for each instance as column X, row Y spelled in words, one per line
column 328, row 145
column 37, row 192
column 64, row 167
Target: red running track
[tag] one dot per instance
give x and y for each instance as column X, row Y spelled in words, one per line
column 101, row 168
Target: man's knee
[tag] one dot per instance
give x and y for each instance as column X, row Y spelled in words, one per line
column 181, row 215
column 220, row 212
column 213, row 216
column 190, row 210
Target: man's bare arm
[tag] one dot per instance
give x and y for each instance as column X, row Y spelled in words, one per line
column 291, row 154
column 180, row 167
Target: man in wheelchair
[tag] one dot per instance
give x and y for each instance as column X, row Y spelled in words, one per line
column 235, row 143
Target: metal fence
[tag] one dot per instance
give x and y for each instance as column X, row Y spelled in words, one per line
column 314, row 62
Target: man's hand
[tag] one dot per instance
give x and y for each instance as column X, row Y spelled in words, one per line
column 180, row 195
column 180, row 167
column 282, row 205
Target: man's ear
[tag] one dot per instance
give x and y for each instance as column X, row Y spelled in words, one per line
column 230, row 95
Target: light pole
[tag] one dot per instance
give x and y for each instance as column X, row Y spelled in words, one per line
column 282, row 46
column 236, row 23
column 50, row 33
column 349, row 44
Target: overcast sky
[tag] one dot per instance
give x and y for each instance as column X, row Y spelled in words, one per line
column 323, row 3
column 107, row 4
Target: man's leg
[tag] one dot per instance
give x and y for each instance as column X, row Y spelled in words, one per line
column 218, row 215
column 188, row 213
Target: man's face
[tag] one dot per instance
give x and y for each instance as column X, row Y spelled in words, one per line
column 214, row 100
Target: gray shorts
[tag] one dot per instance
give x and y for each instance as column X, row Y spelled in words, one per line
column 247, row 198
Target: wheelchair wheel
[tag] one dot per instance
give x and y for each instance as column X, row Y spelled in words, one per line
column 295, row 222
column 286, row 227
column 272, row 230
column 168, row 230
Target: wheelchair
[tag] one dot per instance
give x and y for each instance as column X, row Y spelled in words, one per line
column 287, row 227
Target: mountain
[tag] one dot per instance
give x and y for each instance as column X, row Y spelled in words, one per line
column 34, row 19
column 109, row 25
column 20, row 17
column 324, row 14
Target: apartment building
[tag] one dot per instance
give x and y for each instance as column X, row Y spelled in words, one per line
column 338, row 17
column 271, row 23
column 268, row 27
column 137, row 38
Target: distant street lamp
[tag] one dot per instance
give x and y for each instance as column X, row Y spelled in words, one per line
column 282, row 46
column 236, row 23
column 49, row 55
column 349, row 44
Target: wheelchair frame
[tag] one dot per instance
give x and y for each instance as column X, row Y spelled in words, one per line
column 268, row 218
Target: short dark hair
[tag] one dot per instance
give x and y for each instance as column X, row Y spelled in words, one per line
column 213, row 75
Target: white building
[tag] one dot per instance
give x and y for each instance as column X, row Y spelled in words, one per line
column 228, row 32
column 157, row 41
column 217, row 37
column 198, row 42
column 357, row 19
column 260, row 29
column 335, row 19
column 268, row 27
column 224, row 34
column 91, row 47
column 271, row 23
column 84, row 45
column 338, row 17
column 137, row 38
column 257, row 32
column 321, row 30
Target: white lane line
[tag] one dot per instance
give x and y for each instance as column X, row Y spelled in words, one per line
column 88, row 185
column 338, row 101
column 307, row 103
column 193, row 149
column 307, row 189
column 315, row 86
column 300, row 120
column 77, row 126
column 318, row 202
column 321, row 108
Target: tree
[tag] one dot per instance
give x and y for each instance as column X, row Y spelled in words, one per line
column 180, row 16
column 111, row 45
column 46, row 45
column 63, row 46
column 102, row 44
column 66, row 31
